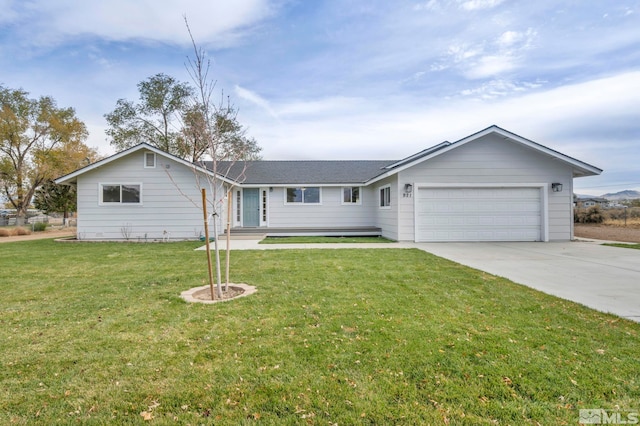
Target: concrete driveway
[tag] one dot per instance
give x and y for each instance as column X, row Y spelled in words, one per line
column 601, row 277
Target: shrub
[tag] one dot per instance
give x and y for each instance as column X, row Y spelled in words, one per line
column 591, row 215
column 4, row 232
column 39, row 226
column 617, row 214
column 21, row 231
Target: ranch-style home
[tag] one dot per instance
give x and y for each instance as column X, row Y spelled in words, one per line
column 490, row 186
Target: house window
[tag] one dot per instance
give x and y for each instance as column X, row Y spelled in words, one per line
column 303, row 195
column 149, row 160
column 351, row 195
column 385, row 196
column 120, row 193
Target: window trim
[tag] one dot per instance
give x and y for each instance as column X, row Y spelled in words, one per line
column 101, row 185
column 302, row 203
column 351, row 203
column 238, row 207
column 384, row 196
column 264, row 201
column 146, row 165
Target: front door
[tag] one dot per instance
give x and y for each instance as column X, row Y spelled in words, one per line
column 251, row 207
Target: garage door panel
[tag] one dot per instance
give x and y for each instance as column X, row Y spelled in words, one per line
column 478, row 214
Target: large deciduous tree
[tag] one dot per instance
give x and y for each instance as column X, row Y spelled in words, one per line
column 38, row 142
column 171, row 116
column 155, row 119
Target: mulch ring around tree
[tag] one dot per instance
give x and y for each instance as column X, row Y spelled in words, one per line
column 202, row 294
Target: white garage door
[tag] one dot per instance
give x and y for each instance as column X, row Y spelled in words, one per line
column 478, row 214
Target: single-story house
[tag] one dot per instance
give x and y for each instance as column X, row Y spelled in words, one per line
column 490, row 186
column 591, row 202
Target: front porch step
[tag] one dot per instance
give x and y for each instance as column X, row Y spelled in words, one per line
column 357, row 231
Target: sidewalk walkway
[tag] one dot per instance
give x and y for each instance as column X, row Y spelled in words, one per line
column 253, row 244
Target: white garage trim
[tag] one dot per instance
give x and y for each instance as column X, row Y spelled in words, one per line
column 541, row 187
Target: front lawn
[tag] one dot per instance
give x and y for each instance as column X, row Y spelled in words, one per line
column 96, row 334
column 623, row 245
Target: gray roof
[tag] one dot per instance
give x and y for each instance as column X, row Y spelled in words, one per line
column 419, row 155
column 328, row 172
column 355, row 172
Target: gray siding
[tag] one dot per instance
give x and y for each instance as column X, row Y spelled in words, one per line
column 331, row 211
column 171, row 202
column 493, row 160
column 387, row 218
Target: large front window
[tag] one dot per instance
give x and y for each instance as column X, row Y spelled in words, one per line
column 304, row 195
column 120, row 193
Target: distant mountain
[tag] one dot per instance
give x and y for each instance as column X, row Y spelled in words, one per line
column 622, row 195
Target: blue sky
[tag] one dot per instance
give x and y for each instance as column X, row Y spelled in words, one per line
column 356, row 79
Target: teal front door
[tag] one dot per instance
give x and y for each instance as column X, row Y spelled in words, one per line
column 250, row 207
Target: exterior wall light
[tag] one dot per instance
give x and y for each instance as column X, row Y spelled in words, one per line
column 556, row 187
column 408, row 188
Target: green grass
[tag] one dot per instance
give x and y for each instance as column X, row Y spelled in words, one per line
column 323, row 240
column 631, row 246
column 96, row 334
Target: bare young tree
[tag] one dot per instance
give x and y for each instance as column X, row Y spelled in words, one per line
column 212, row 126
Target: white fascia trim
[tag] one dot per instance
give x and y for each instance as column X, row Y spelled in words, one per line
column 584, row 167
column 145, row 146
column 300, row 185
column 577, row 164
column 482, row 185
column 544, row 197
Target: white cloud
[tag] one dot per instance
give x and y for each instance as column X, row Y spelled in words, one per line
column 461, row 52
column 499, row 88
column 509, row 38
column 516, row 39
column 323, row 107
column 9, row 12
column 218, row 22
column 415, row 77
column 428, row 5
column 562, row 118
column 488, row 59
column 479, row 4
column 490, row 66
column 255, row 99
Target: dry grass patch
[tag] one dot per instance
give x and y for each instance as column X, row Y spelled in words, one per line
column 12, row 232
column 633, row 222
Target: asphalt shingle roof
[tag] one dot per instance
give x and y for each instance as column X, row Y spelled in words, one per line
column 328, row 172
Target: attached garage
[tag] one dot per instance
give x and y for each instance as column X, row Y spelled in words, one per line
column 479, row 214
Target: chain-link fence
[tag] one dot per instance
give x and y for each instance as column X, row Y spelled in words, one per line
column 608, row 215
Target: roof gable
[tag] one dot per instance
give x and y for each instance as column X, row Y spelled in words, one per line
column 71, row 177
column 580, row 168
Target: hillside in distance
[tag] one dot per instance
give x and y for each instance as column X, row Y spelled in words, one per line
column 628, row 194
